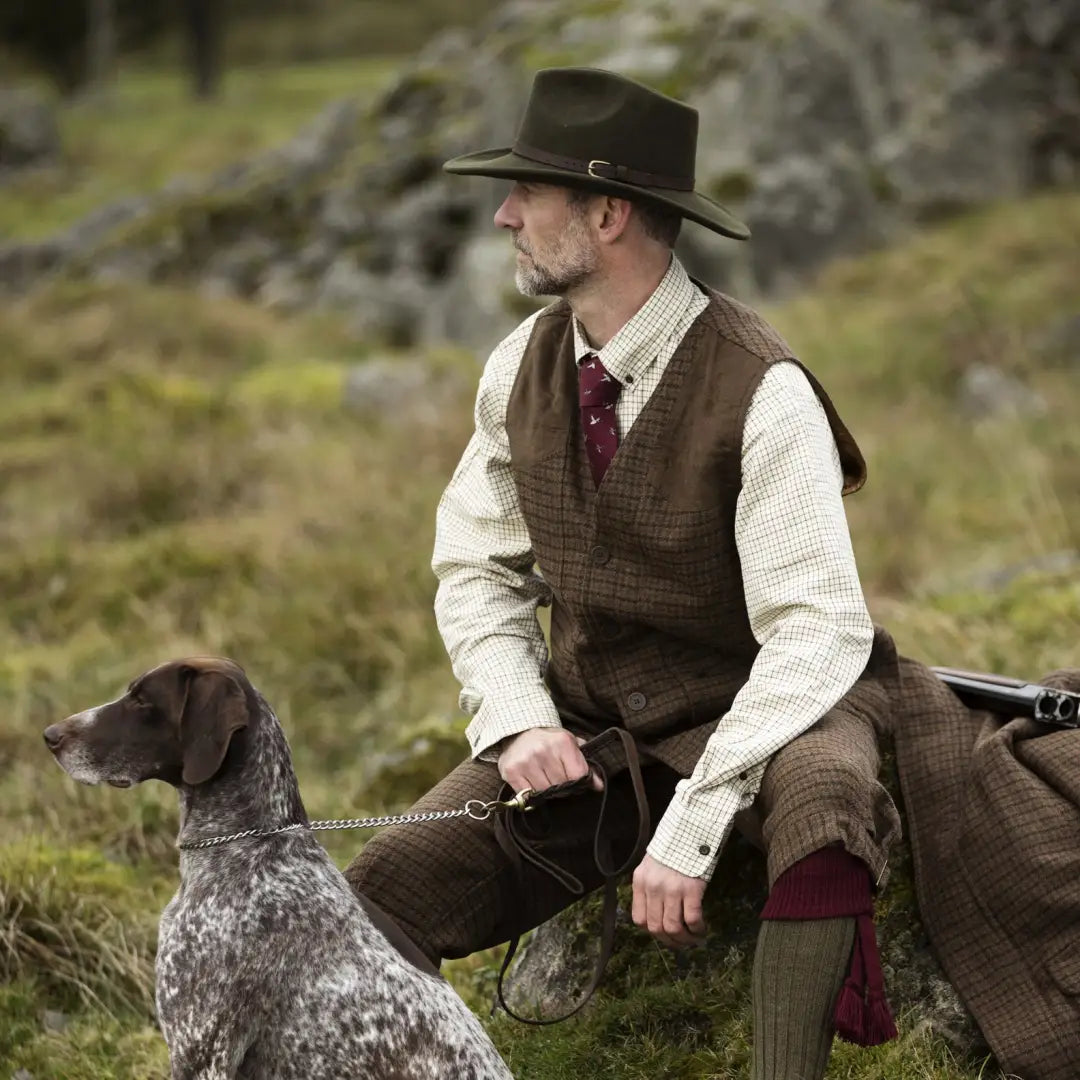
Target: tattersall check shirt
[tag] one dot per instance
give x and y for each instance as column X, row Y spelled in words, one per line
column 802, row 588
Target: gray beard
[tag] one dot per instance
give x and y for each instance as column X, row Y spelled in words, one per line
column 532, row 279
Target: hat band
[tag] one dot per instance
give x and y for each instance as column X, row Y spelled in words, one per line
column 604, row 170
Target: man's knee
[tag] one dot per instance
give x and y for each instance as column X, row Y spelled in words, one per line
column 838, row 754
column 823, row 789
column 827, row 780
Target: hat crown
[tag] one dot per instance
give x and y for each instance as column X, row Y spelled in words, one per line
column 592, row 115
column 603, row 132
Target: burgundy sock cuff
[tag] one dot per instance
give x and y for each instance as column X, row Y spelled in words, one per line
column 829, row 883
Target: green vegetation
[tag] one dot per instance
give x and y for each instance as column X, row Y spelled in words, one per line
column 149, row 132
column 306, row 30
column 179, row 475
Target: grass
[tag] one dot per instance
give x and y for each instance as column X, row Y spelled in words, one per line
column 179, row 474
column 92, row 952
column 112, row 151
column 893, row 333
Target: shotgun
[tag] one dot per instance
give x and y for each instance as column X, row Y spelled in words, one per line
column 1013, row 697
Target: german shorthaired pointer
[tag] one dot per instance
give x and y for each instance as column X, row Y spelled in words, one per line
column 268, row 967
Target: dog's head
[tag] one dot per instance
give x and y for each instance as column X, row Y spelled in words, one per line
column 174, row 723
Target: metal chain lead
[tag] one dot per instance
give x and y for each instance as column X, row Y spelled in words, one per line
column 474, row 808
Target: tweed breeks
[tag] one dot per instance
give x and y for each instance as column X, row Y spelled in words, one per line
column 822, row 789
column 454, row 891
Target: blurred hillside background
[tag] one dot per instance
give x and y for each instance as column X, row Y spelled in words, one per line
column 242, row 315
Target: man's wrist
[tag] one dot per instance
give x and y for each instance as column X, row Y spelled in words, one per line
column 488, row 733
column 682, row 843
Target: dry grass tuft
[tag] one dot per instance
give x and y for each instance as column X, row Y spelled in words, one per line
column 77, row 926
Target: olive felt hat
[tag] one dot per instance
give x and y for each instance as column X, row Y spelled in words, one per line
column 594, row 129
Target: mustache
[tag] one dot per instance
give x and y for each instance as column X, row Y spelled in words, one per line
column 521, row 245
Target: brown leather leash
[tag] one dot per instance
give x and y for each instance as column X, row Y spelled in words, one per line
column 518, row 850
column 516, row 846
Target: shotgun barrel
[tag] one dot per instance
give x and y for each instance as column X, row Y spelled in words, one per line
column 1013, row 697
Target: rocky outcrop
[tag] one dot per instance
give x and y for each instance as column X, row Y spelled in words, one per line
column 830, row 126
column 220, row 232
column 29, row 134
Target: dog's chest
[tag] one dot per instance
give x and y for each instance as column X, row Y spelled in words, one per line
column 289, row 974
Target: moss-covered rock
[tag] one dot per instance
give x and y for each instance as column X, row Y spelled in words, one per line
column 691, row 999
column 413, row 761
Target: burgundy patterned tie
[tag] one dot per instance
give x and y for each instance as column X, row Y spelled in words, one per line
column 597, row 393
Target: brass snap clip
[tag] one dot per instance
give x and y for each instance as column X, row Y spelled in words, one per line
column 519, row 800
column 479, row 810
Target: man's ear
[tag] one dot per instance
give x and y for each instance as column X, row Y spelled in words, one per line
column 214, row 709
column 616, row 218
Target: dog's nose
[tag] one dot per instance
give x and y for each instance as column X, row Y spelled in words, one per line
column 54, row 736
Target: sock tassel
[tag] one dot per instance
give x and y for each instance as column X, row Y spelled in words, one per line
column 862, row 1014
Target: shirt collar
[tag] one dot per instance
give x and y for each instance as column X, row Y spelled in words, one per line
column 636, row 345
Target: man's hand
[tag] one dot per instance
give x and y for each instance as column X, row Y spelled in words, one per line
column 668, row 904
column 542, row 757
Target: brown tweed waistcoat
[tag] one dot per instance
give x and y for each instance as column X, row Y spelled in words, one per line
column 649, row 627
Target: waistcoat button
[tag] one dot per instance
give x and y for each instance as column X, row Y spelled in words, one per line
column 637, row 701
column 599, row 554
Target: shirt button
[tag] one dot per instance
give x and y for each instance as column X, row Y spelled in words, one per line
column 742, row 776
column 637, row 701
column 599, row 555
column 704, row 849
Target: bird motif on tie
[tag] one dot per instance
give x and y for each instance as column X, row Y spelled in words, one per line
column 598, row 391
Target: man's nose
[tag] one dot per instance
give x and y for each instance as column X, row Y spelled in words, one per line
column 54, row 736
column 505, row 216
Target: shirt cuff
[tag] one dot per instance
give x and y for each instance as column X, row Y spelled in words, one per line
column 498, row 718
column 691, row 835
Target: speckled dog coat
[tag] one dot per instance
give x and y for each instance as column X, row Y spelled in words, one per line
column 268, row 967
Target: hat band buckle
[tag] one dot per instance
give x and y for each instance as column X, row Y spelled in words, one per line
column 599, row 169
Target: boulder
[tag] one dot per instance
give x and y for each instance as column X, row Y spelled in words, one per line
column 986, row 392
column 401, row 392
column 830, row 126
column 395, row 777
column 29, row 134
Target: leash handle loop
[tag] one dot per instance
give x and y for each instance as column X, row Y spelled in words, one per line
column 518, row 850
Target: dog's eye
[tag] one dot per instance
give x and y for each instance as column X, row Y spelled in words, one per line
column 139, row 701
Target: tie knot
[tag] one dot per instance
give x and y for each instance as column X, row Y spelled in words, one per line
column 596, row 385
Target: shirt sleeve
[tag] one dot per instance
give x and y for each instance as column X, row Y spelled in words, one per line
column 489, row 590
column 806, row 609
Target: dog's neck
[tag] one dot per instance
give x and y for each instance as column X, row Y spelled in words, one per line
column 255, row 788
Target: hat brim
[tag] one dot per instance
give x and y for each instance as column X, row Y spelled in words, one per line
column 503, row 164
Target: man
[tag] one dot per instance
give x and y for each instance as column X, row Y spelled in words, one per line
column 676, row 476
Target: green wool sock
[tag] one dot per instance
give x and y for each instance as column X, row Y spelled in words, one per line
column 799, row 968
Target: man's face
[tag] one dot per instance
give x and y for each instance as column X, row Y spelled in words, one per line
column 556, row 251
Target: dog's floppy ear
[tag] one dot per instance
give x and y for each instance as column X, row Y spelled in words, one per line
column 213, row 708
